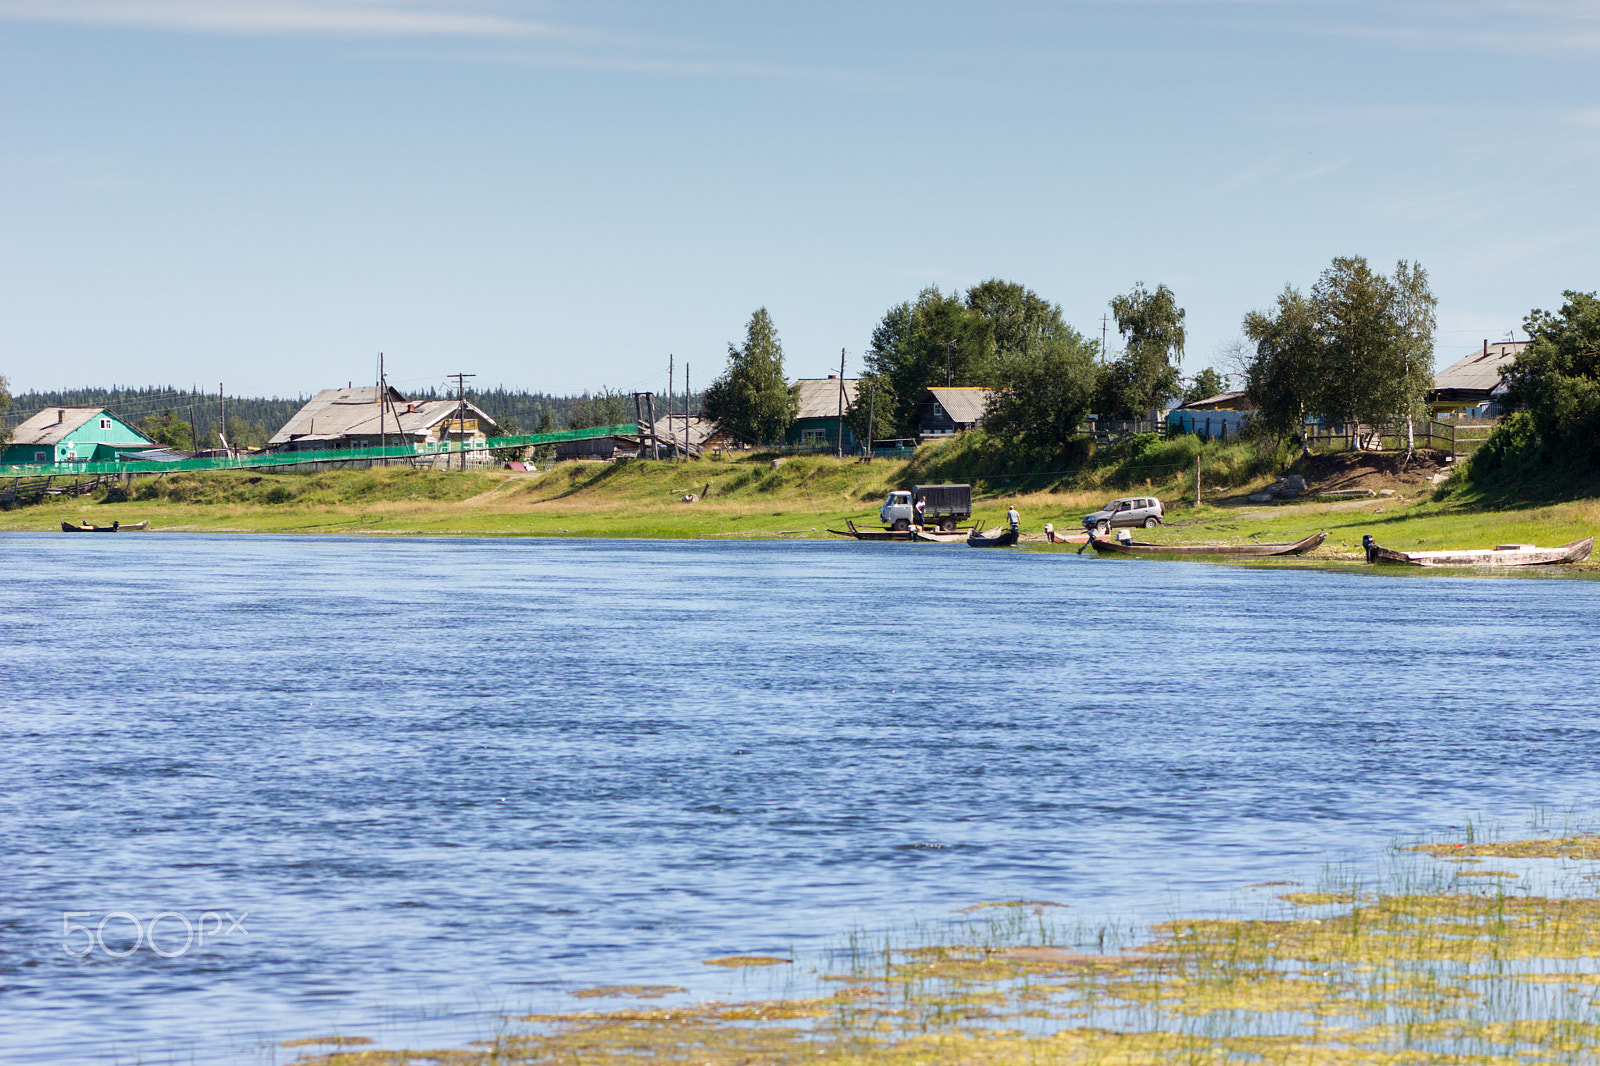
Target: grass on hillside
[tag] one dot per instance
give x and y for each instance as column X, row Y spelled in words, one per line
column 806, row 495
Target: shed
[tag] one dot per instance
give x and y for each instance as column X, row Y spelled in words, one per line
column 817, row 421
column 73, row 435
column 598, row 449
column 365, row 417
column 946, row 411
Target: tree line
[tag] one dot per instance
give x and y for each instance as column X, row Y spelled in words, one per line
column 1357, row 348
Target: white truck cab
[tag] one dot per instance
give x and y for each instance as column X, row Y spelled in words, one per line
column 896, row 511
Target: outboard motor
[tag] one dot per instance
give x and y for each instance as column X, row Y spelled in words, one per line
column 1369, row 546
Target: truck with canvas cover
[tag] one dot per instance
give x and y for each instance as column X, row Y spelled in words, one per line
column 944, row 506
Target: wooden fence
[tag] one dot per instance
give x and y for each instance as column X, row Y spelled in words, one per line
column 1457, row 438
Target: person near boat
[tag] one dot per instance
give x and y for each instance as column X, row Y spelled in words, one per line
column 1014, row 518
column 921, row 510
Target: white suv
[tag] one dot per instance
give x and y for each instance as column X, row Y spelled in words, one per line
column 1129, row 511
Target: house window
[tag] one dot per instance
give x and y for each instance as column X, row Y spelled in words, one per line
column 813, row 436
column 105, row 423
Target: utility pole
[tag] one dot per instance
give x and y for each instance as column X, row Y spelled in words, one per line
column 839, row 453
column 222, row 434
column 461, row 412
column 383, row 394
column 671, row 376
column 686, row 410
column 872, row 401
column 1102, row 338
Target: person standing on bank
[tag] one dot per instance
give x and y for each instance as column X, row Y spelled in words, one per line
column 1014, row 518
column 921, row 510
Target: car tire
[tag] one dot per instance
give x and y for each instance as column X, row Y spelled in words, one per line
column 1152, row 522
column 901, row 525
column 1103, row 529
column 948, row 525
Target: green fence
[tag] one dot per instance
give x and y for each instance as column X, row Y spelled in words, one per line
column 283, row 460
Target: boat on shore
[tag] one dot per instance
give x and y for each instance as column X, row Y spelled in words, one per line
column 1500, row 555
column 114, row 527
column 1000, row 538
column 933, row 536
column 1108, row 546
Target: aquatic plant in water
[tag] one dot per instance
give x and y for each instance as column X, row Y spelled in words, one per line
column 1420, row 964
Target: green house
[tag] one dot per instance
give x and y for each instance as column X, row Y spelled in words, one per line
column 817, row 422
column 73, row 435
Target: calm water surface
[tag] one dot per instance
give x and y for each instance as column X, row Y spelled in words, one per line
column 438, row 780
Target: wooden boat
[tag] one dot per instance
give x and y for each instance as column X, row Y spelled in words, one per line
column 850, row 530
column 939, row 536
column 934, row 536
column 1000, row 538
column 1500, row 555
column 114, row 527
column 1248, row 550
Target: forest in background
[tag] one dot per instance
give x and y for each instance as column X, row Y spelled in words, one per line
column 253, row 420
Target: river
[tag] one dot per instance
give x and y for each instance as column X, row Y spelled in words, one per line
column 403, row 786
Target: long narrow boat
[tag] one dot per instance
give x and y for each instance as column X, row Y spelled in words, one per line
column 1108, row 546
column 935, row 536
column 1000, row 538
column 114, row 527
column 1501, row 555
column 850, row 530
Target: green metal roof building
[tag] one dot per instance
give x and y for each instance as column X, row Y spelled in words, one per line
column 73, row 435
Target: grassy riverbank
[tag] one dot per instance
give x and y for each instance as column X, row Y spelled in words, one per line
column 805, row 496
column 1444, row 951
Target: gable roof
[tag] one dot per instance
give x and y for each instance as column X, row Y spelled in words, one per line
column 962, row 404
column 819, row 397
column 1480, row 371
column 336, row 413
column 1238, row 400
column 54, row 424
column 669, row 428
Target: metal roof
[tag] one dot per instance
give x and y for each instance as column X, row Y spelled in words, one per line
column 336, row 413
column 1480, row 371
column 1222, row 401
column 53, row 424
column 819, row 397
column 963, row 404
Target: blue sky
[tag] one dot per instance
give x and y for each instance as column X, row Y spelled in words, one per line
column 557, row 196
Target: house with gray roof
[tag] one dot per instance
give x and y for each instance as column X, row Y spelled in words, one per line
column 364, row 417
column 817, row 421
column 944, row 412
column 73, row 435
column 1475, row 380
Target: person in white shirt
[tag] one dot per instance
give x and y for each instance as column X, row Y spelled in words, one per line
column 1014, row 518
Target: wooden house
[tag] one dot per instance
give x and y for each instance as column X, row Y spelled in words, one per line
column 817, row 421
column 361, row 417
column 1474, row 381
column 74, row 435
column 944, row 412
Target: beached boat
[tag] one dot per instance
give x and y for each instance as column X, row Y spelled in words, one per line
column 850, row 530
column 933, row 536
column 1000, row 538
column 1500, row 555
column 114, row 527
column 1247, row 550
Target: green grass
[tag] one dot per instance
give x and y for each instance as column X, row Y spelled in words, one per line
column 804, row 496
